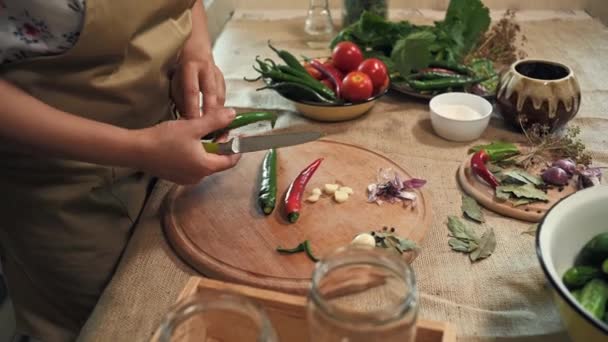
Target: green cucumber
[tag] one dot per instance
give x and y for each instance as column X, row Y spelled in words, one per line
column 594, row 296
column 595, row 251
column 578, row 276
column 577, row 294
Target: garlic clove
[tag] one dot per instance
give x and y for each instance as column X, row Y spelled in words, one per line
column 365, row 239
column 340, row 196
column 330, row 188
column 346, row 189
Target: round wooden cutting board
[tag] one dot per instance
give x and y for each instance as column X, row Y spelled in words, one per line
column 484, row 195
column 217, row 227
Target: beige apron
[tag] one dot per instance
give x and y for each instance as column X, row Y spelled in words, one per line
column 64, row 224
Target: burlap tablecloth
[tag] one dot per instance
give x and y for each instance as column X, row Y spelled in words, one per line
column 504, row 297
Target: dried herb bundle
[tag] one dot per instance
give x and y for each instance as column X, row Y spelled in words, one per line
column 547, row 145
column 502, row 43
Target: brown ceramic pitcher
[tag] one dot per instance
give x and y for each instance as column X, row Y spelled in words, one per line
column 538, row 92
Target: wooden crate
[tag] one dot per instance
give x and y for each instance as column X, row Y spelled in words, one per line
column 288, row 312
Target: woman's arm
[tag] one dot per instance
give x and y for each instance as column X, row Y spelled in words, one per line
column 170, row 150
column 197, row 71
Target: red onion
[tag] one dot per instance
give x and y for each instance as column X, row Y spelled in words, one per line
column 589, row 177
column 556, row 176
column 566, row 164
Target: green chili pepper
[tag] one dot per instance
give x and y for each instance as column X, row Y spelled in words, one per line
column 297, row 92
column 288, row 58
column 317, row 86
column 434, row 76
column 302, row 247
column 244, row 119
column 267, row 195
column 459, row 68
column 294, row 72
column 444, row 83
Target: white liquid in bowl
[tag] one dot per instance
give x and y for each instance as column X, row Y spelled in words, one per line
column 457, row 112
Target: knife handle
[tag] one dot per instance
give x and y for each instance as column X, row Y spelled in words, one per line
column 211, row 147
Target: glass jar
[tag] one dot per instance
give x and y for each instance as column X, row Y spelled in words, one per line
column 362, row 294
column 215, row 316
column 319, row 25
column 352, row 9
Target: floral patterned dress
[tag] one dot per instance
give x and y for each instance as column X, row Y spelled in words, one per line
column 30, row 28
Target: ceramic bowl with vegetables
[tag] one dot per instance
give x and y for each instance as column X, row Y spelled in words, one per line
column 572, row 247
column 339, row 88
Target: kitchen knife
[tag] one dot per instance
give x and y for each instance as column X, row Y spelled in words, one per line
column 261, row 142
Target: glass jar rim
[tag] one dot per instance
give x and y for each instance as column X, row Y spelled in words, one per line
column 370, row 256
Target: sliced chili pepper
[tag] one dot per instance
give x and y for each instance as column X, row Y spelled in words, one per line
column 293, row 197
column 244, row 119
column 330, row 75
column 288, row 58
column 478, row 164
column 267, row 195
column 303, row 246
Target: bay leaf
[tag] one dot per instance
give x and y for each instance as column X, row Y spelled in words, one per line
column 487, row 245
column 531, row 230
column 519, row 176
column 523, row 191
column 471, row 209
column 460, row 230
column 502, row 195
column 522, row 201
column 494, row 168
column 462, row 246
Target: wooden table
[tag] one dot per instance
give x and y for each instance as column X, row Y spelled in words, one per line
column 504, row 296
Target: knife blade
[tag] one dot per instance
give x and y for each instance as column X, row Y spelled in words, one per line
column 261, row 142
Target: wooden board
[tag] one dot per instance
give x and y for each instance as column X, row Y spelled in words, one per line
column 287, row 313
column 484, row 195
column 217, row 228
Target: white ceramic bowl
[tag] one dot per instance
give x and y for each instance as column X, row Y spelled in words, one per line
column 565, row 229
column 459, row 129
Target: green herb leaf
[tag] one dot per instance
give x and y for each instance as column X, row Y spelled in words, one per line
column 519, row 176
column 471, row 209
column 484, row 68
column 465, row 22
column 487, row 244
column 497, row 150
column 531, row 230
column 528, row 191
column 501, row 194
column 460, row 230
column 413, row 52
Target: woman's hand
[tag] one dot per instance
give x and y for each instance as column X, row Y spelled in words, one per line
column 195, row 75
column 173, row 151
column 196, row 71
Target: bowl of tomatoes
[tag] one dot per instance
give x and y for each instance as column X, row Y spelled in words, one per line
column 341, row 87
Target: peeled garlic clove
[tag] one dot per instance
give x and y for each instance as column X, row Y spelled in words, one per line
column 340, row 196
column 313, row 198
column 346, row 189
column 316, row 191
column 365, row 239
column 330, row 188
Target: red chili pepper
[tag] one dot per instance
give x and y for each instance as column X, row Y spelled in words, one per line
column 332, row 77
column 478, row 164
column 293, row 197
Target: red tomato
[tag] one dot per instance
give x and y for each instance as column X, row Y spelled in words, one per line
column 357, row 87
column 376, row 70
column 329, row 84
column 313, row 72
column 347, row 56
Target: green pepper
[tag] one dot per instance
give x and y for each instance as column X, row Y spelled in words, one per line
column 297, row 92
column 288, row 58
column 304, row 246
column 459, row 68
column 267, row 195
column 244, row 119
column 443, row 83
column 279, row 76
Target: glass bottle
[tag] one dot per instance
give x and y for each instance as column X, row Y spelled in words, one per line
column 362, row 294
column 319, row 25
column 215, row 317
column 352, row 9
